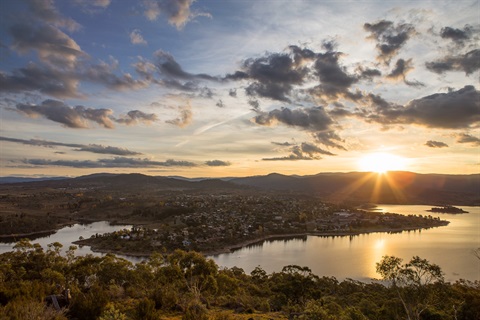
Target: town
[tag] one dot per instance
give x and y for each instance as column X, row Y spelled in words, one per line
column 218, row 223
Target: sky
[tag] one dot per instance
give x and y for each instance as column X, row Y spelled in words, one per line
column 212, row 88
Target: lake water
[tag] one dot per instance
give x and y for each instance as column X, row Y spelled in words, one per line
column 451, row 247
column 67, row 235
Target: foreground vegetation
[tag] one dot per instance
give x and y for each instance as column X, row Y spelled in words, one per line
column 186, row 285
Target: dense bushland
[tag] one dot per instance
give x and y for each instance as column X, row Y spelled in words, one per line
column 186, row 285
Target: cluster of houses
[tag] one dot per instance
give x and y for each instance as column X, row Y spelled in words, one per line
column 216, row 221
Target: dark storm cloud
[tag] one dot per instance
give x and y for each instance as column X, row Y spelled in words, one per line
column 390, row 37
column 232, row 93
column 136, row 116
column 311, row 119
column 94, row 148
column 468, row 63
column 466, row 138
column 452, row 110
column 217, row 163
column 76, row 117
column 457, row 35
column 436, row 144
column 220, row 104
column 116, row 162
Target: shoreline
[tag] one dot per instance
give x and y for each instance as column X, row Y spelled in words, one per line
column 259, row 240
column 34, row 235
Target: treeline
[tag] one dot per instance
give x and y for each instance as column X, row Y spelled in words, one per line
column 186, row 285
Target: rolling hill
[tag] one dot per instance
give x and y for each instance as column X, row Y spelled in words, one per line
column 353, row 187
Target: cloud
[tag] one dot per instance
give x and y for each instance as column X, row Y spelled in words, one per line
column 390, row 38
column 468, row 63
column 402, row 67
column 116, row 162
column 61, row 83
column 220, row 104
column 184, row 119
column 94, row 148
column 457, row 35
column 217, row 163
column 305, row 151
column 80, row 116
column 335, row 81
column 92, row 6
column 367, row 73
column 136, row 116
column 312, row 149
column 46, row 12
column 167, row 66
column 330, row 139
column 54, row 47
column 466, row 138
column 311, row 119
column 436, row 144
column 315, row 120
column 97, row 148
column 178, row 12
column 283, row 144
column 136, row 37
column 277, row 75
column 274, row 75
column 56, row 83
column 72, row 117
column 453, row 110
column 104, row 74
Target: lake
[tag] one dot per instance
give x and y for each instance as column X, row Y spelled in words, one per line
column 451, row 247
column 67, row 235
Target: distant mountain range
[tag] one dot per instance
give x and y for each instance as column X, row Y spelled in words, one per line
column 397, row 187
column 353, row 187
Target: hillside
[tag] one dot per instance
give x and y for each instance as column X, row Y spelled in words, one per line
column 354, row 187
column 394, row 187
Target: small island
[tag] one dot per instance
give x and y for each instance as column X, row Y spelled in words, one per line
column 447, row 209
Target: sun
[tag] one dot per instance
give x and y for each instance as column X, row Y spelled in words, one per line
column 381, row 162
